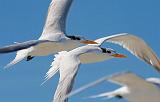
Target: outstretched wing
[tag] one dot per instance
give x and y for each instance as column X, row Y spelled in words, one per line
column 21, row 46
column 65, row 84
column 56, row 17
column 123, row 78
column 87, row 86
column 128, row 79
column 69, row 66
column 135, row 45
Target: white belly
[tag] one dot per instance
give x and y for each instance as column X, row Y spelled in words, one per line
column 48, row 48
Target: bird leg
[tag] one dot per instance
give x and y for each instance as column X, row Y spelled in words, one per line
column 119, row 96
column 29, row 58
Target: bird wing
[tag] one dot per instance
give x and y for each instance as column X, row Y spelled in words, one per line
column 140, row 89
column 68, row 71
column 22, row 54
column 92, row 84
column 105, row 94
column 54, row 66
column 21, row 46
column 116, row 93
column 56, row 17
column 65, row 86
column 128, row 79
column 135, row 45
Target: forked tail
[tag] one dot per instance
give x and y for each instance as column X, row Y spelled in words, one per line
column 22, row 54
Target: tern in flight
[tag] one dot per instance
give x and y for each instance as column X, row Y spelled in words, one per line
column 53, row 38
column 68, row 64
column 132, row 43
column 134, row 88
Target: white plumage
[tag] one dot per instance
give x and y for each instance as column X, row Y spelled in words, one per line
column 53, row 38
column 68, row 63
column 130, row 42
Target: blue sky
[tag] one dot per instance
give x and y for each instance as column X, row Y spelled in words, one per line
column 23, row 20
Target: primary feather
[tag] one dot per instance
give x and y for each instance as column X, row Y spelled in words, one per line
column 135, row 45
column 55, row 65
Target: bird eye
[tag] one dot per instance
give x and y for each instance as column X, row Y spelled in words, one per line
column 108, row 51
column 78, row 38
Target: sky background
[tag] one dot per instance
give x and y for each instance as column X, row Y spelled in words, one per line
column 22, row 20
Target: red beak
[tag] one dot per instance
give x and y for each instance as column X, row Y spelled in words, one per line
column 89, row 42
column 119, row 55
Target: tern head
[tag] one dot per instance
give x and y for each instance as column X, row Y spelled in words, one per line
column 112, row 53
column 81, row 39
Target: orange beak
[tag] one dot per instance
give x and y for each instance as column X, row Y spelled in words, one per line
column 119, row 56
column 89, row 42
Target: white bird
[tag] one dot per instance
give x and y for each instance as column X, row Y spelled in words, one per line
column 53, row 38
column 130, row 42
column 68, row 64
column 134, row 88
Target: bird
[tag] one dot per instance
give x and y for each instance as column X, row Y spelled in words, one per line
column 53, row 38
column 132, row 43
column 134, row 88
column 68, row 63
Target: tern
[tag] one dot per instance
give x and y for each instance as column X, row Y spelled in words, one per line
column 53, row 38
column 68, row 64
column 134, row 88
column 65, row 61
column 132, row 43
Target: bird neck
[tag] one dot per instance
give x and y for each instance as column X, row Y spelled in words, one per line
column 84, row 49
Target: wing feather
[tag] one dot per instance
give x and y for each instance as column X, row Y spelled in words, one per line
column 54, row 66
column 65, row 84
column 135, row 45
column 56, row 17
column 20, row 46
column 87, row 86
column 128, row 79
column 69, row 66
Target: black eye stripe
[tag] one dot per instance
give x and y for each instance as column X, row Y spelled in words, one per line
column 108, row 51
column 78, row 38
column 103, row 50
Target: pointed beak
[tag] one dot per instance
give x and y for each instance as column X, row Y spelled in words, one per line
column 119, row 55
column 88, row 42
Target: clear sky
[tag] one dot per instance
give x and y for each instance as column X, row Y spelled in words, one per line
column 22, row 20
